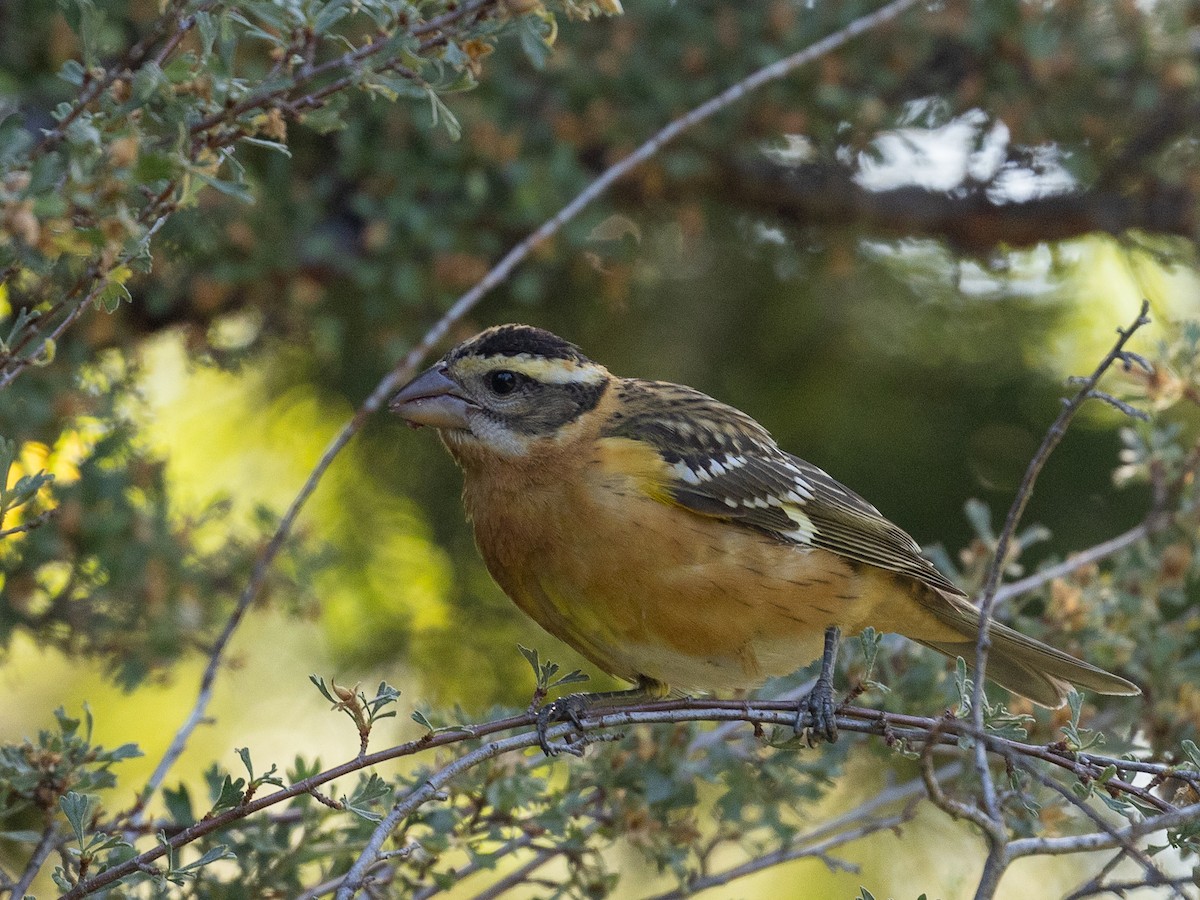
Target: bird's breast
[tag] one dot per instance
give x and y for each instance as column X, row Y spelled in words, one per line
column 642, row 587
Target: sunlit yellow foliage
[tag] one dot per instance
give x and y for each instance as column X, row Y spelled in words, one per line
column 227, row 438
column 1106, row 286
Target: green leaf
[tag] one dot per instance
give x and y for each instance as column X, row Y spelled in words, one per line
column 125, row 751
column 328, row 117
column 111, row 295
column 320, row 685
column 230, row 795
column 15, row 138
column 1193, row 752
column 329, row 15
column 21, row 837
column 179, row 805
column 72, row 72
column 420, row 718
column 439, row 111
column 218, row 852
column 78, row 809
column 533, row 41
column 869, row 641
column 46, row 172
column 531, row 657
column 244, row 754
column 232, row 189
column 270, row 145
column 575, row 676
column 979, row 515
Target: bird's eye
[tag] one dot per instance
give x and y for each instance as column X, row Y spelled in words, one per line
column 502, row 382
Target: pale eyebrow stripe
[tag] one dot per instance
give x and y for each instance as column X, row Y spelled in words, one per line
column 547, row 371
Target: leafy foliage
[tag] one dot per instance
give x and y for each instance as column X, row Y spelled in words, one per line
column 296, row 188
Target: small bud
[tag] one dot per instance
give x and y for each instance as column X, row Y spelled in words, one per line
column 346, row 695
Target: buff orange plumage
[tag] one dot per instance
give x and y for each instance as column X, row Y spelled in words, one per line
column 666, row 536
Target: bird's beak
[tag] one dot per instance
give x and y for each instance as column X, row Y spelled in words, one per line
column 432, row 399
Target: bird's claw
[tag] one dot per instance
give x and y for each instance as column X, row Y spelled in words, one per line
column 569, row 709
column 816, row 714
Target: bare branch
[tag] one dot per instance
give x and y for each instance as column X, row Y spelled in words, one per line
column 992, row 580
column 955, row 808
column 36, row 522
column 1082, row 559
column 816, row 843
column 40, row 854
column 521, row 874
column 1086, row 843
column 1128, row 848
column 827, row 195
column 1096, row 887
column 912, row 729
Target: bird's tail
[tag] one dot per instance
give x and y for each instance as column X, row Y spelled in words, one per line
column 1019, row 663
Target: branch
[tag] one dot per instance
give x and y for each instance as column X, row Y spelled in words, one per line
column 1086, row 843
column 408, row 366
column 914, row 730
column 1053, row 436
column 1081, row 559
column 1096, row 887
column 347, row 61
column 827, row 195
column 1128, row 848
column 522, row 873
column 844, row 829
column 172, row 24
column 36, row 522
column 40, row 853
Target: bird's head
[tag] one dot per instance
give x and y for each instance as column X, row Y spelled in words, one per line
column 504, row 390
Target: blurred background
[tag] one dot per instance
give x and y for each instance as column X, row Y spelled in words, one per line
column 892, row 259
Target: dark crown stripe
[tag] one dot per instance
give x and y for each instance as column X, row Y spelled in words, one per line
column 513, row 340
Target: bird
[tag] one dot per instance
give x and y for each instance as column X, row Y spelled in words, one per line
column 668, row 538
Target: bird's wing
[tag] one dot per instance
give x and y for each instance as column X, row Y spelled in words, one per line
column 719, row 462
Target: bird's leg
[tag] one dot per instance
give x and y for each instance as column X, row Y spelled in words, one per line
column 572, row 706
column 818, row 706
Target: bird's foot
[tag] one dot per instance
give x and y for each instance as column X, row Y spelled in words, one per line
column 816, row 714
column 565, row 709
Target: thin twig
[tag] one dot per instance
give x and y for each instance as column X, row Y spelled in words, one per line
column 955, row 808
column 1105, row 870
column 514, row 846
column 802, row 850
column 99, row 280
column 1086, row 843
column 1128, row 848
column 819, row 841
column 40, row 854
column 331, row 885
column 714, row 736
column 521, row 874
column 995, row 570
column 1124, row 888
column 1080, row 560
column 407, row 367
column 36, row 522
